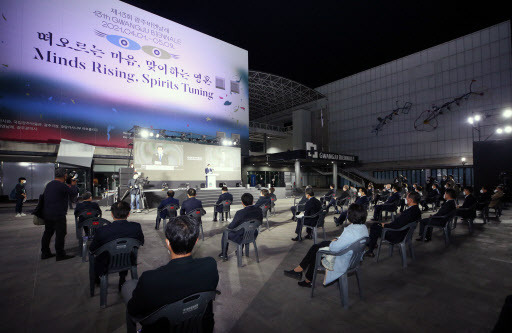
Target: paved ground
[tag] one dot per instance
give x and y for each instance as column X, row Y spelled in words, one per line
column 456, row 289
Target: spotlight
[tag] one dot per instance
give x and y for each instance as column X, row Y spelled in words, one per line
column 477, row 117
column 499, row 131
column 144, row 133
column 507, row 113
column 508, row 129
column 151, row 134
column 471, row 120
column 463, row 159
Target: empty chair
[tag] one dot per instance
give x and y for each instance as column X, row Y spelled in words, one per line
column 90, row 225
column 319, row 223
column 185, row 315
column 172, row 211
column 196, row 215
column 447, row 226
column 264, row 210
column 250, row 232
column 122, row 257
column 403, row 245
column 357, row 249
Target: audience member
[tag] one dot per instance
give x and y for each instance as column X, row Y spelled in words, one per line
column 312, row 207
column 225, row 196
column 467, row 211
column 181, row 277
column 300, row 204
column 496, row 197
column 264, row 199
column 21, row 196
column 433, row 196
column 329, row 195
column 162, row 210
column 55, row 207
column 248, row 213
column 190, row 204
column 354, row 231
column 86, row 205
column 383, row 195
column 120, row 228
column 361, row 200
column 411, row 214
column 390, row 205
column 447, row 208
column 484, row 198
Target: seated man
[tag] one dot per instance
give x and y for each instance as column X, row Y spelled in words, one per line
column 447, row 208
column 433, row 196
column 181, row 277
column 496, row 197
column 361, row 200
column 86, row 205
column 469, row 204
column 411, row 214
column 166, row 202
column 341, row 199
column 190, row 204
column 311, row 207
column 329, row 195
column 248, row 213
column 484, row 198
column 225, row 196
column 390, row 205
column 120, row 228
column 354, row 231
column 301, row 203
column 383, row 195
column 264, row 199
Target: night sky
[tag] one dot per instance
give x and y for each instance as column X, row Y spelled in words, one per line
column 317, row 42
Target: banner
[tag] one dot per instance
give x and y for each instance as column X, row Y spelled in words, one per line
column 88, row 71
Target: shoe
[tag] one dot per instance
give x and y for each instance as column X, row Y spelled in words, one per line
column 47, row 255
column 419, row 239
column 215, row 221
column 293, row 274
column 18, row 215
column 22, row 214
column 296, row 239
column 63, row 257
column 122, row 280
column 308, row 236
column 139, row 211
column 369, row 254
column 223, row 257
column 304, row 284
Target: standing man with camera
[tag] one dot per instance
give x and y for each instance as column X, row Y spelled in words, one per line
column 134, row 187
column 55, row 206
column 21, row 195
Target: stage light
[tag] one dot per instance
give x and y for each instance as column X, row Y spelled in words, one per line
column 508, row 129
column 499, row 131
column 151, row 134
column 477, row 117
column 471, row 120
column 507, row 113
column 144, row 133
column 157, row 135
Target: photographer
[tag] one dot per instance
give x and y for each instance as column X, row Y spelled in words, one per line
column 72, row 177
column 55, row 206
column 21, row 196
column 134, row 187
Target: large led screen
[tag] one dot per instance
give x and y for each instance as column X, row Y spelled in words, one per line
column 88, row 71
column 162, row 160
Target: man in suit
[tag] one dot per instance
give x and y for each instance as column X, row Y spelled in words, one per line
column 161, row 212
column 496, row 197
column 208, row 169
column 86, row 205
column 264, row 199
column 312, row 206
column 120, row 228
column 484, row 198
column 56, row 196
column 467, row 210
column 383, row 195
column 329, row 195
column 160, row 158
column 411, row 214
column 191, row 203
column 448, row 207
column 432, row 197
column 341, row 199
column 183, row 276
column 300, row 204
column 390, row 205
column 225, row 196
column 361, row 200
column 248, row 213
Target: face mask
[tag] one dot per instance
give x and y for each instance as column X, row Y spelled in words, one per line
column 359, row 194
column 481, row 191
column 23, row 182
column 495, row 191
column 135, row 177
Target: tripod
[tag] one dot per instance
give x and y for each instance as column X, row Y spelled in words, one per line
column 143, row 200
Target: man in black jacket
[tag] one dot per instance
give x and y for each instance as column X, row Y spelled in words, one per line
column 433, row 196
column 248, row 213
column 21, row 195
column 484, row 198
column 55, row 197
column 86, row 205
column 390, row 205
column 183, row 276
column 447, row 208
column 362, row 199
column 225, row 196
column 264, row 199
column 329, row 195
column 409, row 215
column 467, row 210
column 191, row 203
column 120, row 228
column 313, row 206
column 300, row 204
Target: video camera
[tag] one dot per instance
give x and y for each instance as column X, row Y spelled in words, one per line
column 72, row 176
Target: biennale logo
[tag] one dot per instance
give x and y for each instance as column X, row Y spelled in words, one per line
column 129, row 44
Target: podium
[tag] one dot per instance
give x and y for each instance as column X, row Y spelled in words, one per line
column 211, row 180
